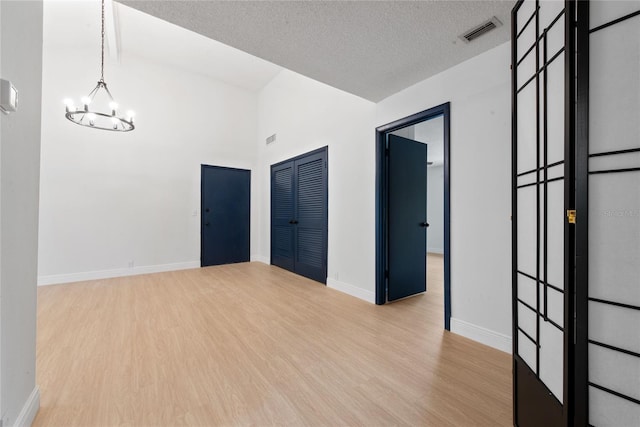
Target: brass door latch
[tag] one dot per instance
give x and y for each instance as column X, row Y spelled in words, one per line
column 571, row 216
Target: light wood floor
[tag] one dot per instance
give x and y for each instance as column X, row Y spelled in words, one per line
column 251, row 344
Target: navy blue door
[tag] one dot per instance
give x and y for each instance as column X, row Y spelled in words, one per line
column 299, row 215
column 225, row 215
column 282, row 215
column 311, row 216
column 407, row 210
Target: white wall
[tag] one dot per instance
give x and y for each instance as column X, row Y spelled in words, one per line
column 479, row 92
column 108, row 199
column 21, row 51
column 111, row 199
column 431, row 132
column 306, row 115
column 435, row 209
column 406, row 132
column 1, row 412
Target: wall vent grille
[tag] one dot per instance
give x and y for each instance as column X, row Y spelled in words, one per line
column 481, row 29
column 271, row 139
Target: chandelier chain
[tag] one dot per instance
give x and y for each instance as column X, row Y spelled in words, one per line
column 102, row 58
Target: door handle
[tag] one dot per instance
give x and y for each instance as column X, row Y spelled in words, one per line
column 424, row 224
column 293, row 221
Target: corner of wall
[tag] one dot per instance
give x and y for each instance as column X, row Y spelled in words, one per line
column 21, row 33
column 260, row 258
column 352, row 290
column 29, row 410
column 482, row 335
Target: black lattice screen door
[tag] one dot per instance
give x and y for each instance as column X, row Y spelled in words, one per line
column 540, row 178
column 576, row 212
column 608, row 197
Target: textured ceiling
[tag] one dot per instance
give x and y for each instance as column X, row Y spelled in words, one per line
column 372, row 49
column 72, row 24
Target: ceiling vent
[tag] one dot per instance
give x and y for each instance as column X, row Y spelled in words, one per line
column 481, row 29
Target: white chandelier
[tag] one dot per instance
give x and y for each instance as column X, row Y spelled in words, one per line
column 105, row 119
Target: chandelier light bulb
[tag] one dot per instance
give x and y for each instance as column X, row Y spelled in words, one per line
column 86, row 100
column 68, row 102
column 114, row 106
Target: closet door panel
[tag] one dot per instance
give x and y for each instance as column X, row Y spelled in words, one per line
column 282, row 215
column 311, row 216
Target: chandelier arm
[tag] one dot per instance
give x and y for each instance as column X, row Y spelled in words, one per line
column 107, row 90
column 94, row 91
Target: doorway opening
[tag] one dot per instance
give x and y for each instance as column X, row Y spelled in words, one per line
column 399, row 267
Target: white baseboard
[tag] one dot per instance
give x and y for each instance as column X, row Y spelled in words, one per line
column 260, row 258
column 478, row 333
column 352, row 290
column 29, row 410
column 118, row 272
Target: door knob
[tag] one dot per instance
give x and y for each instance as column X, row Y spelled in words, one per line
column 424, row 224
column 206, row 210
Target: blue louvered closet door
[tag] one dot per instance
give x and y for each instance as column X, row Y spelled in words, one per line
column 299, row 215
column 282, row 214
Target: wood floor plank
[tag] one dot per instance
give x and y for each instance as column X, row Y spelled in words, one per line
column 251, row 344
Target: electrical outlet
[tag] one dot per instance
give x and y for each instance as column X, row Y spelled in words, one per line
column 8, row 97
